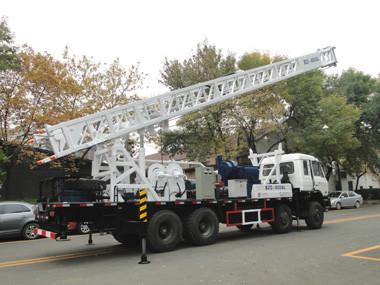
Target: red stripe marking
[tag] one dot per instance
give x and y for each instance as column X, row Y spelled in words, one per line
column 228, row 218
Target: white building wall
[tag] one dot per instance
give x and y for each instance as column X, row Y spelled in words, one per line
column 368, row 180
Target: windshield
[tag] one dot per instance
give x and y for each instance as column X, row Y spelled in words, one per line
column 334, row 194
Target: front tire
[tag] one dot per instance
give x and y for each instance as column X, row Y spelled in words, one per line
column 315, row 215
column 202, row 227
column 164, row 231
column 28, row 231
column 283, row 219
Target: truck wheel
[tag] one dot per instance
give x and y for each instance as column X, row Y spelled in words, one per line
column 164, row 231
column 315, row 215
column 245, row 228
column 126, row 238
column 83, row 228
column 283, row 219
column 201, row 227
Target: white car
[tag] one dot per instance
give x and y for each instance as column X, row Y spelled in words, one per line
column 343, row 199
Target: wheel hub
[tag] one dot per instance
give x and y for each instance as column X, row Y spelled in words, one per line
column 284, row 218
column 164, row 231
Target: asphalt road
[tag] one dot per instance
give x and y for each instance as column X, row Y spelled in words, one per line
column 345, row 251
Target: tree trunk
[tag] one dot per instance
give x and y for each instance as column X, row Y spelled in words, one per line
column 358, row 178
column 338, row 185
column 276, row 143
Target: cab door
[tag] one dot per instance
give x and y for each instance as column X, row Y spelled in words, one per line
column 307, row 182
column 320, row 182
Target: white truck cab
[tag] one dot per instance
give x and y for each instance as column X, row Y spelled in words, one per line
column 305, row 172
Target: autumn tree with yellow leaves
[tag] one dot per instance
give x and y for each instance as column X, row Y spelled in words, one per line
column 38, row 89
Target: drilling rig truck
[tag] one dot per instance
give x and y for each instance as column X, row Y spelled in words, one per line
column 129, row 196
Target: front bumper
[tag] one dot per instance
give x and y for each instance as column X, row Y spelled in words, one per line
column 327, row 202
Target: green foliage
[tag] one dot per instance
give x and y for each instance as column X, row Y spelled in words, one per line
column 356, row 86
column 207, row 63
column 190, row 141
column 303, row 94
column 9, row 59
column 229, row 128
column 370, row 117
column 363, row 91
column 257, row 59
column 330, row 143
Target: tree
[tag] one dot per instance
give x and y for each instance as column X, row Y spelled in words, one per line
column 229, row 128
column 47, row 91
column 103, row 86
column 323, row 133
column 3, row 161
column 44, row 90
column 9, row 59
column 207, row 63
column 328, row 133
column 261, row 113
column 363, row 91
column 355, row 85
column 36, row 94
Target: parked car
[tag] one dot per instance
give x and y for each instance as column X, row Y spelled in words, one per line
column 17, row 219
column 343, row 199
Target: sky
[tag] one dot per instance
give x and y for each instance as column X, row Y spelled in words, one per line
column 145, row 32
column 148, row 31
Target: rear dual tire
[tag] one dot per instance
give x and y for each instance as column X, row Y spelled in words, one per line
column 201, row 227
column 164, row 231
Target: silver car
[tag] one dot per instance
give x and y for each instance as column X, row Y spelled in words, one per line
column 17, row 219
column 343, row 199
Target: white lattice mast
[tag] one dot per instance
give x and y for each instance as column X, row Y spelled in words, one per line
column 106, row 129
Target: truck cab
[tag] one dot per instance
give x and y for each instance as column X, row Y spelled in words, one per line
column 305, row 172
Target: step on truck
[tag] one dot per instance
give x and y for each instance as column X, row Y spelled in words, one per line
column 132, row 198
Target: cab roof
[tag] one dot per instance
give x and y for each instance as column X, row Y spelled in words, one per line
column 289, row 157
